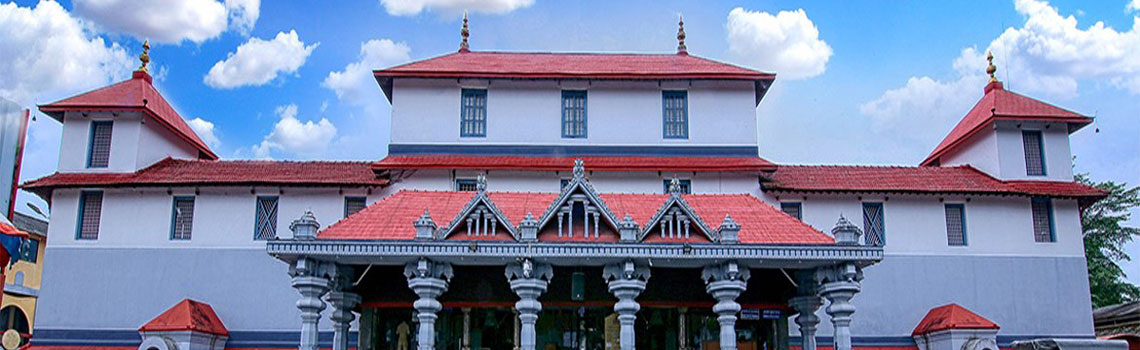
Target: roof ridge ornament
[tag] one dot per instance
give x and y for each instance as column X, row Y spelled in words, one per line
column 144, row 57
column 681, row 48
column 481, row 183
column 579, row 169
column 991, row 69
column 463, row 46
column 675, row 186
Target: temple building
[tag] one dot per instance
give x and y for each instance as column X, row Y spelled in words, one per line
column 560, row 201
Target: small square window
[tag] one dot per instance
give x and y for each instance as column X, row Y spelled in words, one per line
column 354, row 204
column 466, row 185
column 794, row 209
column 686, row 186
column 182, row 218
column 563, row 183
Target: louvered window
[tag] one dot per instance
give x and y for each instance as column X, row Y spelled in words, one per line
column 1043, row 220
column 182, row 220
column 1034, row 153
column 90, row 209
column 675, row 114
column 686, row 186
column 99, row 147
column 473, row 113
column 354, row 204
column 466, row 185
column 956, row 224
column 266, row 221
column 873, row 224
column 795, row 209
column 574, row 114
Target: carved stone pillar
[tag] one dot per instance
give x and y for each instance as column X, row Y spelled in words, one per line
column 806, row 303
column 428, row 279
column 310, row 278
column 725, row 282
column 626, row 281
column 839, row 284
column 342, row 303
column 529, row 280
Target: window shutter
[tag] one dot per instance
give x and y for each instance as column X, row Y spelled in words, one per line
column 90, row 208
column 873, row 228
column 473, row 118
column 1034, row 154
column 183, row 218
column 573, row 114
column 354, row 204
column 266, row 218
column 675, row 114
column 466, row 185
column 795, row 210
column 99, row 153
column 1042, row 220
column 955, row 224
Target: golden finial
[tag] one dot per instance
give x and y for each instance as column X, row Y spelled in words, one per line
column 681, row 49
column 144, row 57
column 991, row 69
column 464, row 33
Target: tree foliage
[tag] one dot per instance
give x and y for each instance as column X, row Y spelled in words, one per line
column 1105, row 235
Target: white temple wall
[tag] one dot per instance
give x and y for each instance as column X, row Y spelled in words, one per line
column 529, row 112
column 135, row 143
column 979, row 151
column 603, row 181
column 1000, row 151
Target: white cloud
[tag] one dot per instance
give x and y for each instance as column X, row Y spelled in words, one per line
column 50, row 54
column 171, row 21
column 205, row 130
column 452, row 7
column 291, row 136
column 787, row 43
column 355, row 83
column 257, row 61
column 1132, row 6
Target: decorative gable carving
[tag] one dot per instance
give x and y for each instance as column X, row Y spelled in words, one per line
column 676, row 220
column 579, row 198
column 481, row 218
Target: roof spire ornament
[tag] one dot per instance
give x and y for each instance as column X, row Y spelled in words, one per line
column 991, row 69
column 579, row 169
column 481, row 183
column 463, row 47
column 681, row 49
column 144, row 57
column 675, row 186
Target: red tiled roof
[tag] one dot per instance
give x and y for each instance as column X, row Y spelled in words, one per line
column 1001, row 104
column 136, row 94
column 490, row 64
column 170, row 172
column 925, row 179
column 597, row 163
column 392, row 217
column 187, row 315
column 951, row 316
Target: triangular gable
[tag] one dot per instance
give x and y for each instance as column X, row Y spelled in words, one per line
column 480, row 199
column 678, row 232
column 579, row 184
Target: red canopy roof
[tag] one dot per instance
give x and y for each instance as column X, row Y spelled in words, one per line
column 187, row 315
column 392, row 217
column 926, row 179
column 599, row 163
column 951, row 316
column 136, row 94
column 174, row 172
column 1001, row 104
column 547, row 65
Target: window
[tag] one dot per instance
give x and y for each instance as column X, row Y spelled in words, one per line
column 473, row 113
column 675, row 114
column 873, row 226
column 99, row 147
column 265, row 225
column 562, row 183
column 1043, row 220
column 686, row 186
column 795, row 209
column 1034, row 153
column 30, row 252
column 466, row 185
column 573, row 114
column 354, row 204
column 182, row 219
column 90, row 208
column 956, row 224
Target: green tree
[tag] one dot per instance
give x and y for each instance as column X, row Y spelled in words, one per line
column 1105, row 236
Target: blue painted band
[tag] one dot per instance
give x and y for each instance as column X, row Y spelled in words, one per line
column 573, row 150
column 237, row 340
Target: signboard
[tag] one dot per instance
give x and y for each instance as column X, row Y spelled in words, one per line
column 761, row 314
column 13, row 129
column 750, row 314
column 772, row 314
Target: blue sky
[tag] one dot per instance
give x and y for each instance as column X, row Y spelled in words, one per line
column 859, row 82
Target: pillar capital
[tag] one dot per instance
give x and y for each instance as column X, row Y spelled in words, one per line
column 626, row 281
column 528, row 279
column 838, row 284
column 428, row 279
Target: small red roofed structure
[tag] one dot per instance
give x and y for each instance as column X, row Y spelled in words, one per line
column 190, row 325
column 953, row 327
